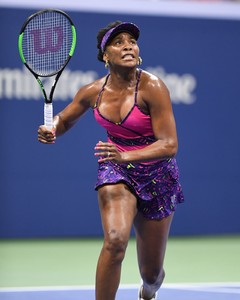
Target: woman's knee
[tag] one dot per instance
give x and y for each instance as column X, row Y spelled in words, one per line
column 115, row 245
column 153, row 277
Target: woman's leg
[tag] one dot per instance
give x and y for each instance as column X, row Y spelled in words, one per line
column 118, row 209
column 151, row 237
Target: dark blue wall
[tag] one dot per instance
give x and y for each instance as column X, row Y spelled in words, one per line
column 48, row 191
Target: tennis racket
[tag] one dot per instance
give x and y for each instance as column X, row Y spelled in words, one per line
column 46, row 43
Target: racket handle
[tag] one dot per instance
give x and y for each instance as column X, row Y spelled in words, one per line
column 48, row 115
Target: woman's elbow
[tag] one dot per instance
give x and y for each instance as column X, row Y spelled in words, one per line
column 171, row 148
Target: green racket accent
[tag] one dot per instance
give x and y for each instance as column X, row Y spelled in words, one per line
column 20, row 38
column 42, row 87
column 74, row 41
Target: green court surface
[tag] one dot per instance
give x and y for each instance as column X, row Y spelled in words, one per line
column 71, row 262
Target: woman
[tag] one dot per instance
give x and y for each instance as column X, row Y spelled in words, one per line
column 138, row 176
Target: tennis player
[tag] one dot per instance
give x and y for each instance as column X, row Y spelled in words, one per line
column 138, row 178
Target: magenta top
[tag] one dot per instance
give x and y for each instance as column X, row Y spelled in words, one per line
column 133, row 132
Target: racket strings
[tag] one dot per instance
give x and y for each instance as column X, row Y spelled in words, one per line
column 47, row 42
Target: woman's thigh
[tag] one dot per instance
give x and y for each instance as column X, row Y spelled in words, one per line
column 118, row 209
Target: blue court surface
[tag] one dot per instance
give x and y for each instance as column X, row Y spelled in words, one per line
column 221, row 291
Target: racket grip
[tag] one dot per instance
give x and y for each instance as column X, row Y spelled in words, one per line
column 48, row 115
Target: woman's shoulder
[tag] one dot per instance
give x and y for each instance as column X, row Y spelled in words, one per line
column 150, row 80
column 94, row 86
column 88, row 93
column 91, row 89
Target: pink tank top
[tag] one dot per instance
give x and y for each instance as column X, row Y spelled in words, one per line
column 134, row 131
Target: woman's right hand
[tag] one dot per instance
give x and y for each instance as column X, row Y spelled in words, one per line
column 45, row 135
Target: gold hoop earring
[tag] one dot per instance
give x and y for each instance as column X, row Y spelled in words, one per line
column 106, row 64
column 139, row 60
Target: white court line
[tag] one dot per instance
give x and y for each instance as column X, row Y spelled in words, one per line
column 215, row 287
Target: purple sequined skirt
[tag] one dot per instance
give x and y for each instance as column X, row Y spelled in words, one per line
column 155, row 185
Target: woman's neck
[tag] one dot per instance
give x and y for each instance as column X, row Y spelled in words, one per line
column 123, row 79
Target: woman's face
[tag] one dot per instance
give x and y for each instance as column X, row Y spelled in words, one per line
column 123, row 50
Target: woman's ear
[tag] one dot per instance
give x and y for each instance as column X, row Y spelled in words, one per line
column 105, row 57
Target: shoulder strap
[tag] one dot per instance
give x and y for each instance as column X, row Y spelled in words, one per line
column 100, row 93
column 137, row 84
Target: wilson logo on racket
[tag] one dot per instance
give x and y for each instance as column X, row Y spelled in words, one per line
column 46, row 43
column 47, row 40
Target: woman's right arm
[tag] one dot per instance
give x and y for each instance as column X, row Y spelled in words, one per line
column 64, row 120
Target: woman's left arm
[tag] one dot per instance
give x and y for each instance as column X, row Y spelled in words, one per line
column 163, row 121
column 156, row 97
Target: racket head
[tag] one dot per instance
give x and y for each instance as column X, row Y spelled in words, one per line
column 47, row 41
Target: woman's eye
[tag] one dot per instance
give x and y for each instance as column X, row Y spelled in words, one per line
column 120, row 42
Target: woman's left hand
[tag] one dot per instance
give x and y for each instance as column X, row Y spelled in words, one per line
column 107, row 152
